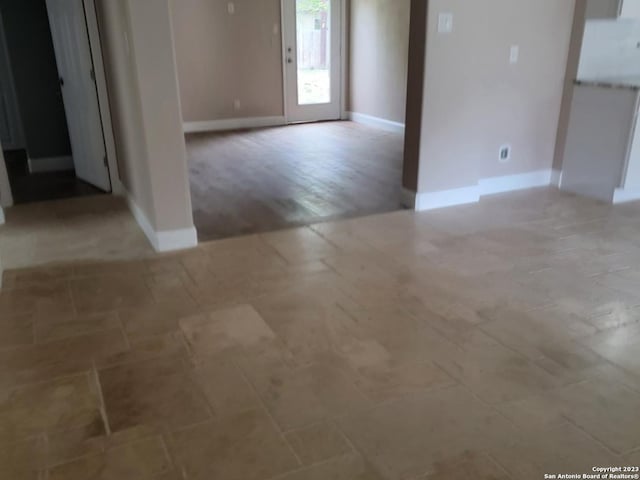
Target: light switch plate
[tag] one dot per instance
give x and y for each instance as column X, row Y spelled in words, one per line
column 445, row 22
column 231, row 8
column 514, row 54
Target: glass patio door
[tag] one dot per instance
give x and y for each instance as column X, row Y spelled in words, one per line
column 312, row 34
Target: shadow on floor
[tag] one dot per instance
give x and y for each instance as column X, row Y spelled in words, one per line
column 37, row 187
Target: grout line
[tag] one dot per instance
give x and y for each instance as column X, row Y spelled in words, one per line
column 19, row 386
column 188, row 426
column 69, row 460
column 633, row 451
column 103, row 407
column 499, row 465
column 304, row 468
column 188, row 370
column 591, row 437
column 72, row 297
column 266, row 410
column 172, row 461
column 44, row 472
column 127, row 342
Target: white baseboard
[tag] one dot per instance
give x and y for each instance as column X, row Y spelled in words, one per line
column 50, row 164
column 625, row 195
column 556, row 178
column 2, row 219
column 172, row 240
column 511, row 183
column 446, row 198
column 233, row 124
column 376, row 122
column 163, row 241
column 473, row 193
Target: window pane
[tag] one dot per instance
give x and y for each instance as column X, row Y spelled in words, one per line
column 314, row 51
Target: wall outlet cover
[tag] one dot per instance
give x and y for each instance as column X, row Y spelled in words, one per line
column 504, row 156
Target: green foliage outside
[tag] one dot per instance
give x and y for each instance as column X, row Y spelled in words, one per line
column 312, row 6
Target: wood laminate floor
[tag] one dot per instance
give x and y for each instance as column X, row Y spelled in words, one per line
column 268, row 179
column 496, row 341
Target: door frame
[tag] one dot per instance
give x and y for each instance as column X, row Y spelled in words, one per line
column 95, row 45
column 344, row 60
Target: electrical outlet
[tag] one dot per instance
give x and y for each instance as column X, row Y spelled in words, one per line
column 236, row 105
column 504, row 156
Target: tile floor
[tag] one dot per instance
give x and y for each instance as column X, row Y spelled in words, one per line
column 88, row 228
column 493, row 341
column 29, row 187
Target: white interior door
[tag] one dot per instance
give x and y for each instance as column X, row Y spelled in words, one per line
column 75, row 67
column 312, row 33
column 11, row 134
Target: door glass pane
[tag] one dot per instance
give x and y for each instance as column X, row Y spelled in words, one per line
column 314, row 51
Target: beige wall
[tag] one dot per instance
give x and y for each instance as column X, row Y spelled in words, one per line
column 143, row 91
column 222, row 58
column 379, row 49
column 475, row 101
column 573, row 62
column 115, row 31
column 152, row 38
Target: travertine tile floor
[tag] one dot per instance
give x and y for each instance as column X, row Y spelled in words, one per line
column 493, row 341
column 98, row 227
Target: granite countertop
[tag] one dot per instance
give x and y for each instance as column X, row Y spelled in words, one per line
column 611, row 82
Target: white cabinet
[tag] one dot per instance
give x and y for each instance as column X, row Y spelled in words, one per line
column 611, row 9
column 632, row 179
column 630, row 9
column 601, row 9
column 597, row 157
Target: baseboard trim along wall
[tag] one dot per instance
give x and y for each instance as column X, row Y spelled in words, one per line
column 510, row 183
column 233, row 124
column 50, row 164
column 446, row 198
column 556, row 178
column 376, row 122
column 625, row 195
column 162, row 241
column 473, row 193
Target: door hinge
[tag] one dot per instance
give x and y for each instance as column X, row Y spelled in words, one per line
column 93, row 75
